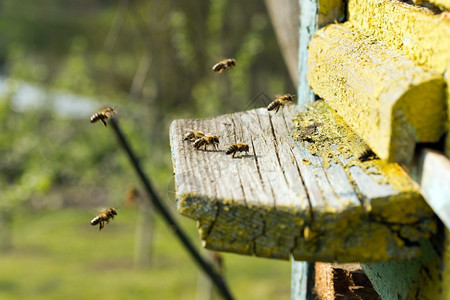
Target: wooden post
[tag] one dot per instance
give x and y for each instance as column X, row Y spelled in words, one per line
column 302, row 272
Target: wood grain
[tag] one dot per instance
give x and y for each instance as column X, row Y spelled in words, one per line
column 309, row 198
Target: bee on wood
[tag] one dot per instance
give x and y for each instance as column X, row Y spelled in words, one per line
column 193, row 135
column 223, row 65
column 239, row 147
column 367, row 154
column 206, row 140
column 104, row 115
column 308, row 130
column 280, row 102
column 104, row 217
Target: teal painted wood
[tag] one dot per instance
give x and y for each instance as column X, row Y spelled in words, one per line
column 422, row 278
column 302, row 280
column 308, row 25
column 406, row 280
column 395, row 280
column 435, row 183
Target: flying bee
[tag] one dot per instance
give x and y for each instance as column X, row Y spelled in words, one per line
column 367, row 154
column 239, row 147
column 104, row 217
column 223, row 65
column 280, row 102
column 193, row 135
column 104, row 115
column 206, row 140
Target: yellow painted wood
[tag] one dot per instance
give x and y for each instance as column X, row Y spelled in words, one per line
column 414, row 31
column 442, row 4
column 298, row 191
column 385, row 98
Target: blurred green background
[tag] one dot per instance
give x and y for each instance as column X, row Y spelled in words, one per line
column 61, row 61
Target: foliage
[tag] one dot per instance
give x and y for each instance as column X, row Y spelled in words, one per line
column 58, row 255
column 150, row 58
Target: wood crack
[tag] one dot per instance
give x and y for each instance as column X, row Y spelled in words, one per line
column 311, row 215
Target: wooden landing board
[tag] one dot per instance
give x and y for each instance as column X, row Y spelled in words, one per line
column 309, row 197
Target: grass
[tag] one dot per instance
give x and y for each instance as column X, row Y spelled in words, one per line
column 57, row 255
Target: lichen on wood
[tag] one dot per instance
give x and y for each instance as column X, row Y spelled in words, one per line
column 385, row 98
column 310, row 198
column 417, row 32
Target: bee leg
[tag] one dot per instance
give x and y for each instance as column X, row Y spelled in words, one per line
column 278, row 108
column 103, row 121
column 233, row 154
column 100, row 226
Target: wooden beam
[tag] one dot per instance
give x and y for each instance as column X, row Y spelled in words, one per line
column 378, row 91
column 417, row 32
column 310, row 197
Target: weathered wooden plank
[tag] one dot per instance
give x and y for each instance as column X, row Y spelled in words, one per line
column 378, row 91
column 417, row 32
column 302, row 197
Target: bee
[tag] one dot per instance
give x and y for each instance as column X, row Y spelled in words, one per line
column 308, row 130
column 367, row 154
column 193, row 135
column 280, row 102
column 131, row 196
column 239, row 147
column 218, row 262
column 104, row 217
column 104, row 115
column 223, row 65
column 206, row 140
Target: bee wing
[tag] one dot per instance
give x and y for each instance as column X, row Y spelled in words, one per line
column 110, row 113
